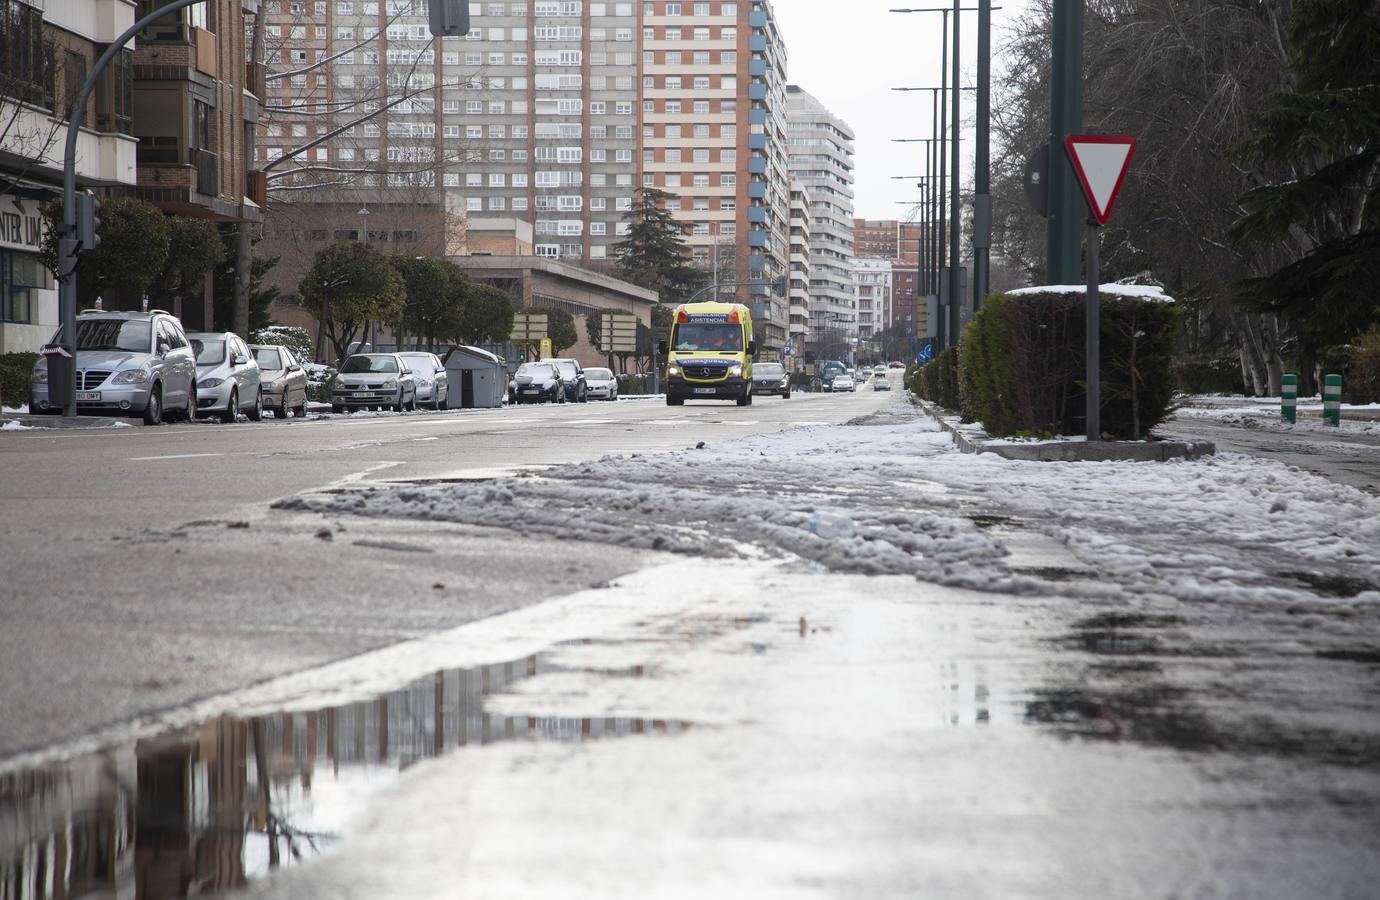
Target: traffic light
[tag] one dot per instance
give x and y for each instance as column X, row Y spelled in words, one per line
column 449, row 18
column 88, row 222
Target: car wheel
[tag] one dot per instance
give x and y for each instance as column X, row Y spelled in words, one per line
column 337, row 409
column 584, row 396
column 228, row 417
column 301, row 410
column 191, row 403
column 674, row 401
column 153, row 412
column 281, row 412
column 256, row 412
column 785, row 395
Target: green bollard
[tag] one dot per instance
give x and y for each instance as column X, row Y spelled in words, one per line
column 1332, row 400
column 1289, row 398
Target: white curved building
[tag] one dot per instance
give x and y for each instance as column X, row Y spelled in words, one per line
column 821, row 160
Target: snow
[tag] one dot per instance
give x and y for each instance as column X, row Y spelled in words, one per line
column 15, row 425
column 1143, row 527
column 1143, row 291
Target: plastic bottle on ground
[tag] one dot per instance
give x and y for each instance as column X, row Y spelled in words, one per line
column 830, row 526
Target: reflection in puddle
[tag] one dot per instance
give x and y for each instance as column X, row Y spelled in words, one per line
column 207, row 808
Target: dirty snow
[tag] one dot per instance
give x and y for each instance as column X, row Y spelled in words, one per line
column 921, row 508
column 1143, row 291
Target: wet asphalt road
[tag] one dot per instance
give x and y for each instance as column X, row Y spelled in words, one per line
column 144, row 568
column 1346, row 457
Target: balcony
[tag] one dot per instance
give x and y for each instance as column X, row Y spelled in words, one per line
column 757, row 18
column 757, row 68
column 757, row 43
column 757, row 239
column 757, row 116
column 757, row 91
column 757, row 190
column 757, row 214
column 757, row 141
column 757, row 165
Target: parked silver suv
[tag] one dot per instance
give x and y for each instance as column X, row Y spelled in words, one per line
column 127, row 364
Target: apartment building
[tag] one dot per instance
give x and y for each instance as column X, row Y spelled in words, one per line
column 713, row 133
column 799, row 286
column 821, row 159
column 898, row 242
column 872, row 296
column 48, row 52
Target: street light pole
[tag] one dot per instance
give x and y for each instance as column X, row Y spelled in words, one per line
column 955, row 297
column 982, row 197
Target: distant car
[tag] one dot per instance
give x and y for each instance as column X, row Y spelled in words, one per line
column 600, row 384
column 879, row 369
column 127, row 364
column 374, row 380
column 573, row 378
column 432, row 384
column 227, row 377
column 771, row 378
column 536, row 382
column 282, row 378
column 896, row 364
column 880, row 383
column 844, row 382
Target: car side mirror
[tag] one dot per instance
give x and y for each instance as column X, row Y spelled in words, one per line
column 752, row 348
column 163, row 348
column 407, row 371
column 294, row 368
column 661, row 348
column 239, row 360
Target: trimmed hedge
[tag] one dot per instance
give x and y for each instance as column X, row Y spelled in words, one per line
column 1023, row 360
column 15, row 369
column 937, row 381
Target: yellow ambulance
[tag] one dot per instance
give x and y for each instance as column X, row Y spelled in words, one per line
column 710, row 353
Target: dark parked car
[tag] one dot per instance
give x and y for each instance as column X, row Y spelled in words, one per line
column 536, row 382
column 572, row 378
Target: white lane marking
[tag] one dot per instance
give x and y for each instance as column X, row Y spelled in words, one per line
column 357, row 477
column 173, row 456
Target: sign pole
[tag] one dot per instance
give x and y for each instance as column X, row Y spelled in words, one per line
column 1094, row 339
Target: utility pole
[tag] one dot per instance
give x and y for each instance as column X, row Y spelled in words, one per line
column 1065, row 118
column 955, row 293
column 941, row 324
column 982, row 196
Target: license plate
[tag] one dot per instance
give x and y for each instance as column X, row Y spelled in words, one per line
column 706, row 390
column 89, row 396
column 529, row 390
column 362, row 394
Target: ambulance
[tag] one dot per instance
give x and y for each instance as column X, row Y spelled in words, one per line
column 709, row 356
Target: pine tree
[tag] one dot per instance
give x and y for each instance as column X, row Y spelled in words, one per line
column 654, row 254
column 1318, row 224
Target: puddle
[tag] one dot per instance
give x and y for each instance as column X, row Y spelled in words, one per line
column 984, row 521
column 207, row 809
column 1332, row 584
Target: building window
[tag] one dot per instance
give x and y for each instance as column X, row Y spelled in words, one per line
column 115, row 95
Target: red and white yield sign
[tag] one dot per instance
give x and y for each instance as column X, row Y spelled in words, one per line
column 1101, row 161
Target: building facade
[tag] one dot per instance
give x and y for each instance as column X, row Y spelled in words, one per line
column 551, row 111
column 872, row 297
column 799, row 285
column 48, row 52
column 821, row 160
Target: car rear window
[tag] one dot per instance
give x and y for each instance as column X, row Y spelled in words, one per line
column 208, row 352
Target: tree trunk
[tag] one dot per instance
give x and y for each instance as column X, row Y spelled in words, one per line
column 1274, row 363
column 1248, row 331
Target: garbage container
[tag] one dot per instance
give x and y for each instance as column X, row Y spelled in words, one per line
column 478, row 379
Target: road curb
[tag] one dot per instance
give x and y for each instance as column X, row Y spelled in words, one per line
column 1067, row 451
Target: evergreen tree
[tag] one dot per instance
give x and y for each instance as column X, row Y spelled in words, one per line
column 654, row 254
column 1318, row 223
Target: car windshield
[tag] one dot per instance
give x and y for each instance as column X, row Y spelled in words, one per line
column 357, row 365
column 768, row 370
column 691, row 337
column 598, row 375
column 208, row 352
column 268, row 360
column 422, row 362
column 566, row 368
column 535, row 370
column 131, row 336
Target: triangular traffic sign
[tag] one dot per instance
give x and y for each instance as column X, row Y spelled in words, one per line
column 1100, row 161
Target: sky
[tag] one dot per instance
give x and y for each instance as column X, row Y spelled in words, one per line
column 850, row 55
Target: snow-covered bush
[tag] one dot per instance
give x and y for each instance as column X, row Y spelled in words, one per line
column 1023, row 360
column 293, row 337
